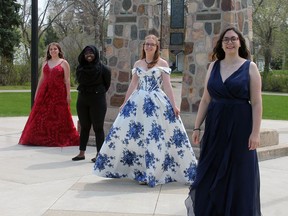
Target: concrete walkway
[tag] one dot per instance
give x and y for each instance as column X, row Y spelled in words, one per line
column 43, row 181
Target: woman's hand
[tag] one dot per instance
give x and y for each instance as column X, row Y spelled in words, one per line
column 196, row 136
column 254, row 141
column 68, row 99
column 176, row 111
column 121, row 107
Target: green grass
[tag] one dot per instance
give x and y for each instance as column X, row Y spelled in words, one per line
column 19, row 104
column 21, row 87
column 176, row 75
column 17, row 87
column 282, row 72
column 275, row 107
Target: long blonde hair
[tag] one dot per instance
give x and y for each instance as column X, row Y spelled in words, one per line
column 157, row 51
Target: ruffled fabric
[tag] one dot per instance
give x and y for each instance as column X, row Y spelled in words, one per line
column 50, row 122
column 147, row 142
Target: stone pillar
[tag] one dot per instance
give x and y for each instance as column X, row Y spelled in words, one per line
column 204, row 23
column 129, row 23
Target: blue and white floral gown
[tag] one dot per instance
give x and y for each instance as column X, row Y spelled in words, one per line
column 147, row 142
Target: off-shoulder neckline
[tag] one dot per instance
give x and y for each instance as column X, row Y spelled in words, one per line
column 151, row 68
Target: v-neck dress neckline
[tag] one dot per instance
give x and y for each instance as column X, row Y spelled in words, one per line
column 231, row 75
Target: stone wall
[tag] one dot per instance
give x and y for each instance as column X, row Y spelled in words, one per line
column 129, row 23
column 205, row 21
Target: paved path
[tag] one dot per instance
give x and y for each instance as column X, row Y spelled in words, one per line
column 43, row 181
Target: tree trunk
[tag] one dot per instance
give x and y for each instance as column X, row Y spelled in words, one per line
column 267, row 60
column 284, row 61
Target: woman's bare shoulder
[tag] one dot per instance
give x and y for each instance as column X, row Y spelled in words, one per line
column 138, row 63
column 163, row 63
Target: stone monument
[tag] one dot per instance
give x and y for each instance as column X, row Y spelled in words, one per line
column 198, row 24
column 129, row 23
column 192, row 28
column 204, row 22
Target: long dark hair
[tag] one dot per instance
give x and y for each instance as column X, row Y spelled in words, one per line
column 243, row 51
column 60, row 54
column 157, row 52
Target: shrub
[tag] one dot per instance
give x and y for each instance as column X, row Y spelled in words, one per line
column 8, row 76
column 275, row 82
column 24, row 73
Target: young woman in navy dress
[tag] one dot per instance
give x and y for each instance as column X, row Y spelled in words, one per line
column 227, row 180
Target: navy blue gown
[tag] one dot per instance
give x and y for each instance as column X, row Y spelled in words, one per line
column 227, row 181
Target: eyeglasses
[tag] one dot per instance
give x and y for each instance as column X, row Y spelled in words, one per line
column 149, row 44
column 227, row 39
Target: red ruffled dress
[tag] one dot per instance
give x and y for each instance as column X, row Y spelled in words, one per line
column 50, row 122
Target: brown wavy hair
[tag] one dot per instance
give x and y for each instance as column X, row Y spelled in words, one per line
column 157, row 52
column 60, row 54
column 243, row 51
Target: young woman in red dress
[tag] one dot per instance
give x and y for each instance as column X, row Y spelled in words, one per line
column 50, row 122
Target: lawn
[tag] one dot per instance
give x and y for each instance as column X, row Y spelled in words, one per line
column 19, row 104
column 275, row 107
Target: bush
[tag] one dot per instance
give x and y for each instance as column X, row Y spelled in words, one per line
column 275, row 82
column 14, row 74
column 24, row 74
column 8, row 76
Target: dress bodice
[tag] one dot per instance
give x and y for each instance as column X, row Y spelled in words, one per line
column 236, row 86
column 54, row 74
column 54, row 79
column 150, row 80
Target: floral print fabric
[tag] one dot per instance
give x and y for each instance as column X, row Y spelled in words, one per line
column 147, row 142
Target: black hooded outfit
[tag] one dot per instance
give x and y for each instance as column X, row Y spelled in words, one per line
column 94, row 80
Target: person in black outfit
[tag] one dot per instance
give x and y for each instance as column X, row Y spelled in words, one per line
column 94, row 80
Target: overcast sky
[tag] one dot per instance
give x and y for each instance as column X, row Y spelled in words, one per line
column 41, row 3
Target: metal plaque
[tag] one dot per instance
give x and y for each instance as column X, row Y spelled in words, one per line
column 176, row 38
column 177, row 14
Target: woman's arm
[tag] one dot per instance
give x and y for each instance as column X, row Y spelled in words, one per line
column 202, row 110
column 132, row 86
column 66, row 68
column 167, row 87
column 40, row 80
column 256, row 103
column 106, row 77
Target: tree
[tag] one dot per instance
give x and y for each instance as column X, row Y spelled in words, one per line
column 9, row 34
column 269, row 17
column 83, row 16
column 43, row 23
column 81, row 24
column 50, row 34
